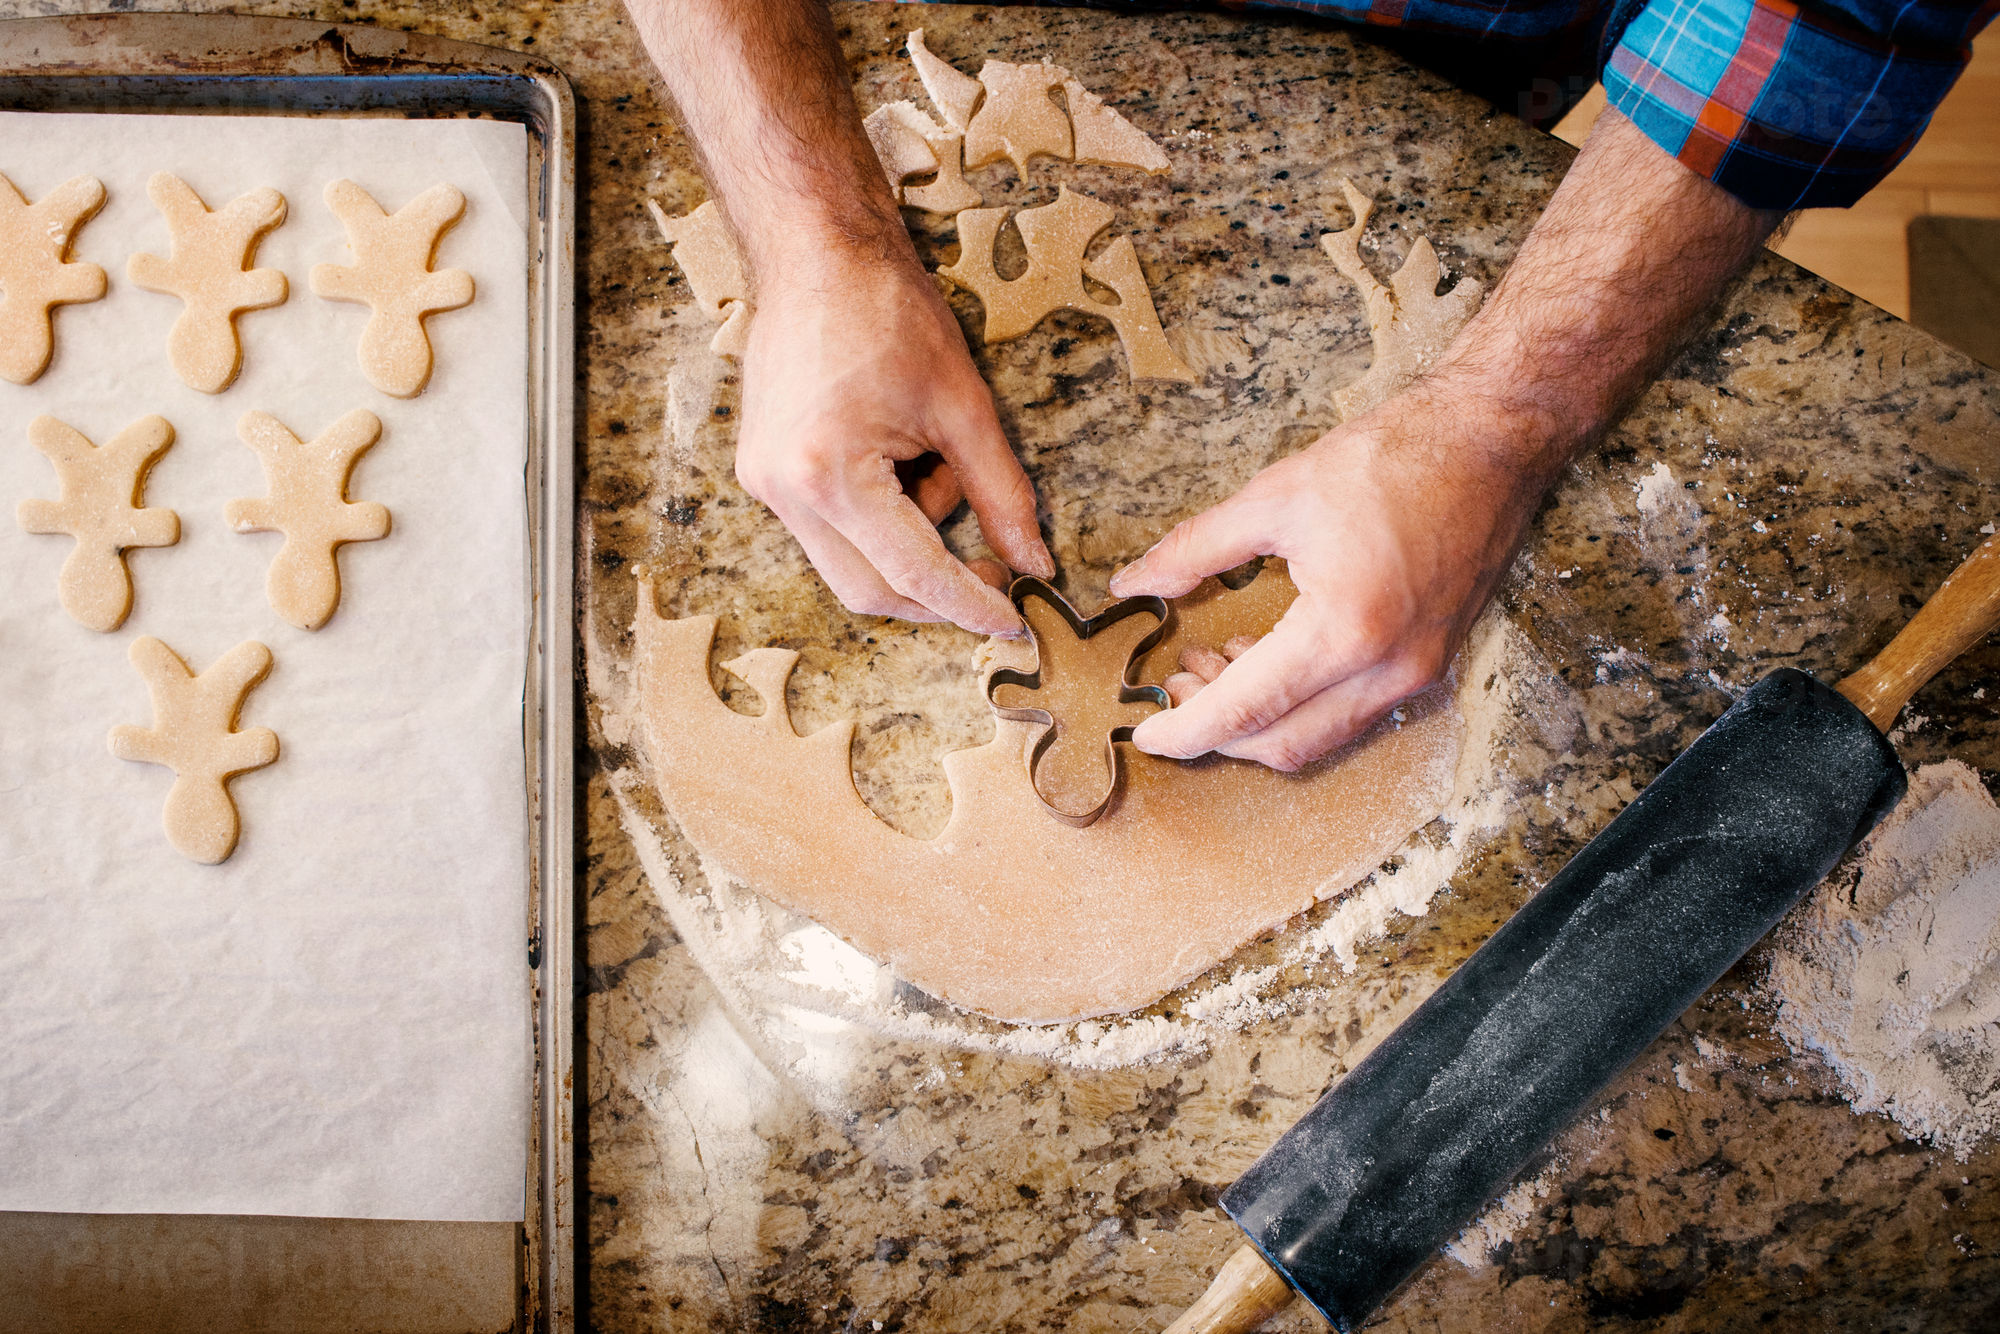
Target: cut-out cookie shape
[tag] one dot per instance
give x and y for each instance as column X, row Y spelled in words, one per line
column 1055, row 237
column 707, row 253
column 1080, row 693
column 1409, row 323
column 102, row 507
column 308, row 504
column 36, row 272
column 392, row 275
column 207, row 267
column 909, row 143
column 194, row 734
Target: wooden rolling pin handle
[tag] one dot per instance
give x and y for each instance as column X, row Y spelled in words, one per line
column 1246, row 1292
column 1960, row 614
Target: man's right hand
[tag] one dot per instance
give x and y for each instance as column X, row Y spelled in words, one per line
column 864, row 423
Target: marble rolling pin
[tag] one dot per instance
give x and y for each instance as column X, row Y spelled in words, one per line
column 1405, row 1150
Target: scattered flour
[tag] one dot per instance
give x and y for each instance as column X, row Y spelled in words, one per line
column 1657, row 491
column 1892, row 973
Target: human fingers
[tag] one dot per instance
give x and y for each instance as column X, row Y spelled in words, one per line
column 1238, row 645
column 930, row 482
column 1277, row 674
column 1330, row 719
column 887, row 528
column 1203, row 662
column 847, row 572
column 994, row 483
column 1215, row 540
column 1182, row 687
column 991, row 572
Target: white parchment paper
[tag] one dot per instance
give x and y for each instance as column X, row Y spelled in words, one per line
column 334, row 1022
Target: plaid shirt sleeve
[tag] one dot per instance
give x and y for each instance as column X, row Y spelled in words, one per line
column 1790, row 106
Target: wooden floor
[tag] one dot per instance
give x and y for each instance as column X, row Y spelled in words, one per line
column 1954, row 170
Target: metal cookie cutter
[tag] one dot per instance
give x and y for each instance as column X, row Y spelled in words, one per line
column 1027, row 587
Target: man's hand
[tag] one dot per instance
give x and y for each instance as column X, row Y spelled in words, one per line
column 864, row 420
column 1398, row 526
column 1395, row 535
column 854, row 375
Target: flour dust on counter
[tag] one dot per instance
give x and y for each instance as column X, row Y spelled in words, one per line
column 1891, row 971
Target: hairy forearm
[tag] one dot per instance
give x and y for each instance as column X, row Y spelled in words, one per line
column 764, row 94
column 1631, row 252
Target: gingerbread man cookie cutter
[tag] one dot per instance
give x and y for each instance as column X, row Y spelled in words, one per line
column 1088, row 715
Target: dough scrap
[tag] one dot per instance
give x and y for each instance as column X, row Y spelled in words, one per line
column 1081, row 703
column 1055, row 236
column 36, row 273
column 1008, row 112
column 1006, row 911
column 1018, row 119
column 194, row 734
column 1409, row 323
column 707, row 253
column 956, row 95
column 207, row 268
column 392, row 275
column 308, row 504
column 909, row 143
column 102, row 506
column 1106, row 139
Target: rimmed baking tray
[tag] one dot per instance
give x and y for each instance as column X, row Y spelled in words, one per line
column 381, row 1275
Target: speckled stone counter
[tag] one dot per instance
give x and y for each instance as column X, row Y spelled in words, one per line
column 787, row 1169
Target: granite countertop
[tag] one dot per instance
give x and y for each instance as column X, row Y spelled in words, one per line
column 757, row 1162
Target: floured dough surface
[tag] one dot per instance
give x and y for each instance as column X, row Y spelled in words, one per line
column 1055, row 237
column 36, row 272
column 1006, row 911
column 208, row 268
column 392, row 276
column 308, row 503
column 102, row 506
column 194, row 734
column 1410, row 324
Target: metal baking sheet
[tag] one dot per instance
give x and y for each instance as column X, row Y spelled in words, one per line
column 80, row 1272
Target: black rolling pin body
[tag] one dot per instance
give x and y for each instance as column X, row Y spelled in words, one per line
column 1407, row 1148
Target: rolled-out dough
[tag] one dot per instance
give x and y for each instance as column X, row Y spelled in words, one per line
column 1008, row 912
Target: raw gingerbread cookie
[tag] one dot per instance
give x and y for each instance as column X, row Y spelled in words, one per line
column 36, row 273
column 707, row 254
column 102, row 507
column 308, row 504
column 194, row 734
column 1055, row 237
column 207, row 269
column 1410, row 324
column 392, row 275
